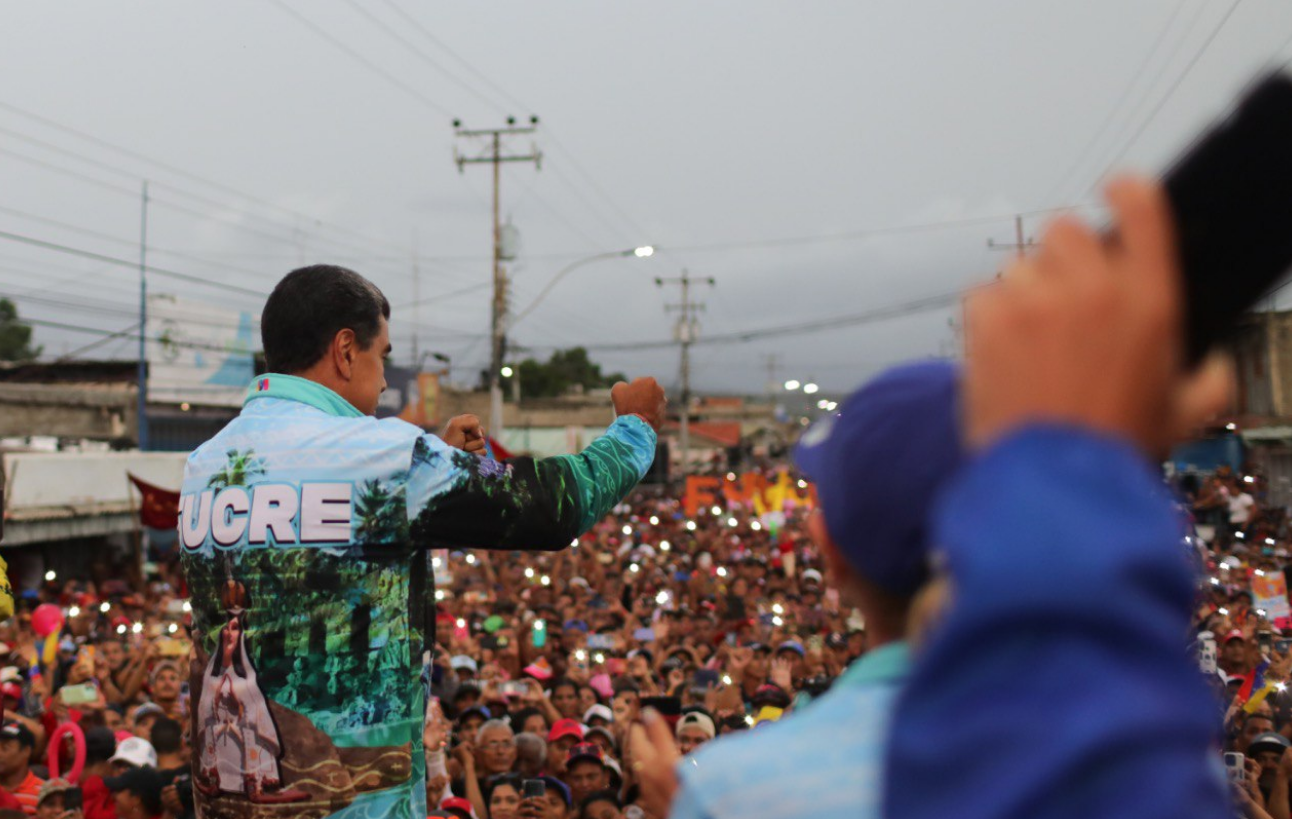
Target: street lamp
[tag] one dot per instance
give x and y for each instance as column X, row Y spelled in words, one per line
column 643, row 252
column 792, row 385
column 810, row 388
column 506, row 372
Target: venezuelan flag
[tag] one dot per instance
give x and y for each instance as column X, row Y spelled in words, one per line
column 1252, row 683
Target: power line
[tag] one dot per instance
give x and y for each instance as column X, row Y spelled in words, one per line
column 361, row 59
column 1116, row 107
column 134, row 265
column 1175, row 85
column 177, row 171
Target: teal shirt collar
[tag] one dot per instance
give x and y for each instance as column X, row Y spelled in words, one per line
column 292, row 388
column 889, row 663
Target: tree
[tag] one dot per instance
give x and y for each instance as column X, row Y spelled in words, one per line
column 15, row 337
column 238, row 470
column 564, row 370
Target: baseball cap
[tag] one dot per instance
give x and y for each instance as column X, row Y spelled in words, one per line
column 598, row 711
column 697, row 719
column 811, row 575
column 597, row 730
column 791, row 645
column 1235, row 634
column 475, row 710
column 13, row 690
column 1268, row 741
column 149, row 708
column 554, row 784
column 457, row 808
column 10, row 673
column 878, row 465
column 136, row 751
column 565, row 728
column 146, row 783
column 20, row 732
column 576, row 625
column 52, row 787
column 462, row 661
column 585, row 750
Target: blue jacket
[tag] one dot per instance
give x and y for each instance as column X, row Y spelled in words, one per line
column 1058, row 683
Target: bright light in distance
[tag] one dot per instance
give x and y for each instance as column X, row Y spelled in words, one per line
column 731, row 476
column 1240, row 535
column 726, row 680
column 777, row 608
column 690, row 526
column 529, row 572
column 792, row 385
column 832, row 406
column 802, row 484
column 137, row 628
column 1223, row 612
column 540, row 625
column 172, row 628
column 1231, row 426
column 121, row 629
column 1248, row 479
column 776, row 621
column 627, row 530
column 664, row 545
column 187, row 607
column 599, row 657
column 74, row 611
column 822, row 404
column 1215, row 581
column 546, row 581
column 749, row 720
column 634, row 568
column 732, row 522
column 462, row 623
column 661, row 599
column 471, row 560
column 1280, row 687
column 654, row 521
column 1260, row 612
column 51, row 574
column 574, row 544
column 810, row 388
column 506, row 372
column 1269, row 541
column 717, row 510
column 580, row 655
column 105, row 606
column 439, row 594
column 756, row 526
column 1260, row 573
column 644, row 252
column 435, row 563
column 722, row 571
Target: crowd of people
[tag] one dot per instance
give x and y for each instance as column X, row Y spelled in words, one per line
column 721, row 620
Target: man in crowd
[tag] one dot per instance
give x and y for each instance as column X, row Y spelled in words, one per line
column 585, row 771
column 17, row 745
column 367, row 498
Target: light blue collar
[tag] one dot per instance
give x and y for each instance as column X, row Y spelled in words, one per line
column 292, row 388
column 888, row 663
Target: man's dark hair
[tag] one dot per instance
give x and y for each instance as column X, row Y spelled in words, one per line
column 309, row 307
column 599, row 796
column 167, row 735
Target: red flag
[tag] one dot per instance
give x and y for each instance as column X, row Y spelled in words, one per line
column 500, row 452
column 159, row 508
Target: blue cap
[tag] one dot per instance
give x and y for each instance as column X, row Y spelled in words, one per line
column 879, row 464
column 560, row 787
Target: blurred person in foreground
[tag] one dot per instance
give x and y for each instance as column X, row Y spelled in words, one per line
column 1070, row 588
column 304, row 528
column 877, row 466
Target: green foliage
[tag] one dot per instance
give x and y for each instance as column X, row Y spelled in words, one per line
column 380, row 513
column 15, row 337
column 238, row 470
column 562, row 371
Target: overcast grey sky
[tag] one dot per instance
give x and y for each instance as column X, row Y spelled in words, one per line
column 713, row 130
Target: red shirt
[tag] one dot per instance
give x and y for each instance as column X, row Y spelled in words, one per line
column 27, row 791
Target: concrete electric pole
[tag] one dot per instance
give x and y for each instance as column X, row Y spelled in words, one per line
column 686, row 332
column 493, row 155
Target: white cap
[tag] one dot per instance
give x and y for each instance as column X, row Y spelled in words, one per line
column 10, row 673
column 598, row 710
column 463, row 661
column 811, row 574
column 137, row 751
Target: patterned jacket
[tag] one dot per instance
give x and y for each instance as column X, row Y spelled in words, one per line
column 305, row 528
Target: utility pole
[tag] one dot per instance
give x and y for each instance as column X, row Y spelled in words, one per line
column 417, row 306
column 493, row 155
column 1020, row 245
column 141, row 394
column 686, row 331
column 770, row 361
